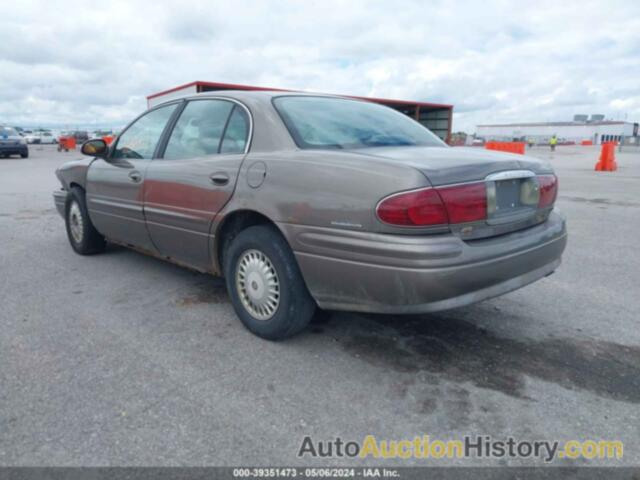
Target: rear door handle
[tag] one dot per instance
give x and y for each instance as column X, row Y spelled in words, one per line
column 135, row 176
column 219, row 178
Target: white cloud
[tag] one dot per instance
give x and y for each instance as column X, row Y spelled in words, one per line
column 67, row 63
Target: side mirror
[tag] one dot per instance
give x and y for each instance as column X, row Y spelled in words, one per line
column 95, row 148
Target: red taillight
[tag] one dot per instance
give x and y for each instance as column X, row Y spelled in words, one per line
column 452, row 204
column 465, row 203
column 435, row 206
column 415, row 208
column 548, row 190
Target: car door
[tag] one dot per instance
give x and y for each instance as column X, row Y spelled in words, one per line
column 195, row 177
column 115, row 187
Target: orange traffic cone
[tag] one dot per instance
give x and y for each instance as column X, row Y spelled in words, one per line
column 607, row 161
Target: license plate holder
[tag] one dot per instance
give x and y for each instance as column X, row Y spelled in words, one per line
column 505, row 197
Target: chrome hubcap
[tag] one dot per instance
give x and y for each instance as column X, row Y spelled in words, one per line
column 75, row 222
column 258, row 284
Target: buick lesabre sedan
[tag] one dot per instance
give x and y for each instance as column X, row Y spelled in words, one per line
column 303, row 201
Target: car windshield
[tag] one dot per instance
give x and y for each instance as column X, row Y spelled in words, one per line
column 326, row 122
column 7, row 131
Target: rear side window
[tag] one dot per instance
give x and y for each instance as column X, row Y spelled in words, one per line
column 199, row 129
column 235, row 136
column 140, row 139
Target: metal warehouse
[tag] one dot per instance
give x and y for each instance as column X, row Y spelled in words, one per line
column 435, row 116
column 595, row 129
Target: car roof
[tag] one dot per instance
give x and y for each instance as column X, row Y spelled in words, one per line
column 255, row 95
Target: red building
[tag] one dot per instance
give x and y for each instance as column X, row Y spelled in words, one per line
column 435, row 116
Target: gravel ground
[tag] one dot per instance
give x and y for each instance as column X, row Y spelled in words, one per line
column 122, row 359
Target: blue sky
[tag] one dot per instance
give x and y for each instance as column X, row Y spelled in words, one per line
column 72, row 63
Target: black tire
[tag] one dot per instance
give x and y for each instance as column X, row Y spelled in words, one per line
column 25, row 155
column 295, row 306
column 85, row 240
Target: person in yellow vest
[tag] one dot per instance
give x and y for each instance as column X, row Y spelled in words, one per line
column 553, row 142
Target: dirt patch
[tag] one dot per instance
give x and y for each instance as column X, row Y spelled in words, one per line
column 205, row 293
column 33, row 214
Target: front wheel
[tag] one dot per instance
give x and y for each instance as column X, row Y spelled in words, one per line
column 265, row 284
column 83, row 236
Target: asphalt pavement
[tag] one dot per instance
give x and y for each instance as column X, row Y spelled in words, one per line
column 123, row 359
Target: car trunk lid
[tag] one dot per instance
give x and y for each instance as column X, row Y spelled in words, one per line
column 511, row 181
column 445, row 165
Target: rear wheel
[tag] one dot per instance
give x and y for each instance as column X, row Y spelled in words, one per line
column 83, row 236
column 265, row 284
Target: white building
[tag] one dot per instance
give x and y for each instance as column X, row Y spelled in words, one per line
column 597, row 131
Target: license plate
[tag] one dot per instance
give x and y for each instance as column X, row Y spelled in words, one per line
column 511, row 195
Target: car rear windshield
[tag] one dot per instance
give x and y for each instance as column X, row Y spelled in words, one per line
column 326, row 122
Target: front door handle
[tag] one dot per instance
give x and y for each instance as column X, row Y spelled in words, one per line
column 219, row 178
column 135, row 176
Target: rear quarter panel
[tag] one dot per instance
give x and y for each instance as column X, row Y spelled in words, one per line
column 307, row 190
column 322, row 188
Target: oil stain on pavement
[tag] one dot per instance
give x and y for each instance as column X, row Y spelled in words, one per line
column 463, row 352
column 601, row 201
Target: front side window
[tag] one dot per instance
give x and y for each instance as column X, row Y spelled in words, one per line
column 199, row 129
column 326, row 122
column 140, row 139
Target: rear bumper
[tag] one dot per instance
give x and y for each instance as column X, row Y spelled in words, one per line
column 347, row 270
column 19, row 149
